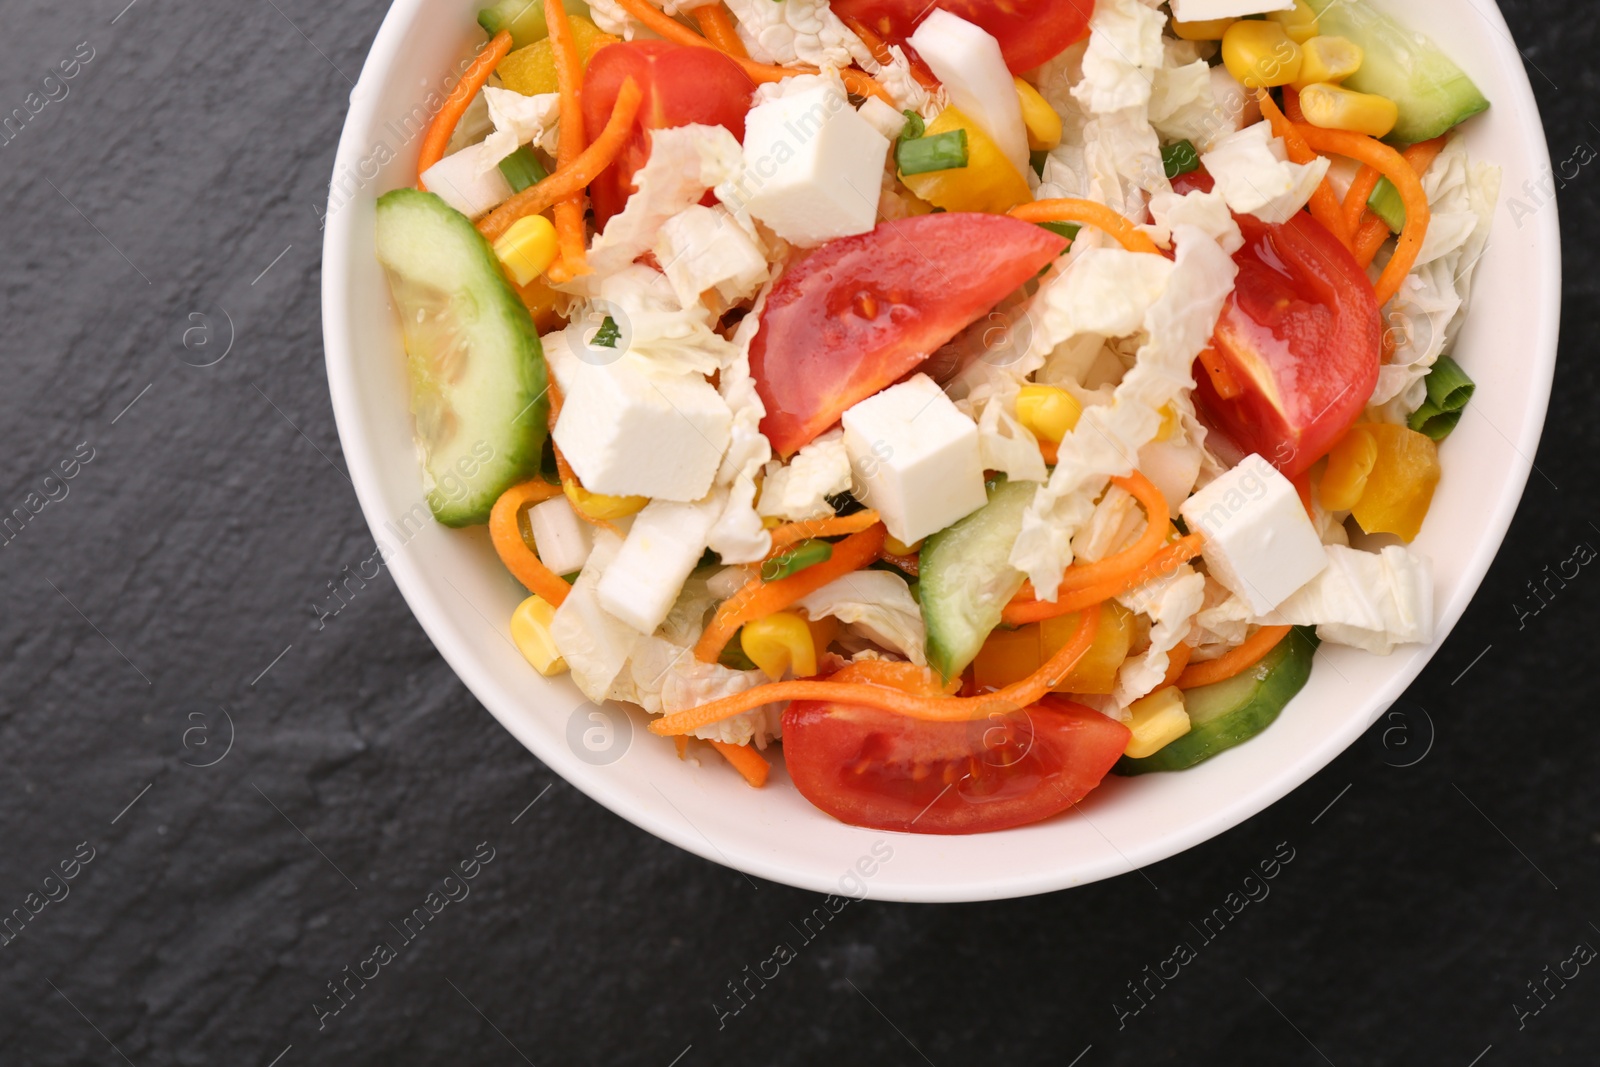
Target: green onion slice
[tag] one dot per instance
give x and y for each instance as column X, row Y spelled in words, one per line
column 944, row 151
column 1179, row 157
column 522, row 169
column 1449, row 390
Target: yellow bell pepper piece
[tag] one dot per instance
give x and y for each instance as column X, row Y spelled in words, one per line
column 1158, row 720
column 988, row 183
column 1202, row 30
column 1044, row 125
column 1400, row 488
column 1049, row 413
column 532, row 70
column 1012, row 655
column 1300, row 23
column 1328, row 59
column 1259, row 53
column 896, row 547
column 530, row 632
column 779, row 642
column 603, row 508
column 1349, row 465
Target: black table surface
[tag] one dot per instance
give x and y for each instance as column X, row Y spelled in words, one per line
column 1436, row 908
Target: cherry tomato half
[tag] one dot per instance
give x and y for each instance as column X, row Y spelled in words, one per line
column 681, row 85
column 861, row 312
column 885, row 771
column 1029, row 31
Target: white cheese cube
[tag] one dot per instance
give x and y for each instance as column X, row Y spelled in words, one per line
column 968, row 61
column 562, row 539
column 628, row 431
column 468, row 181
column 813, row 166
column 663, row 546
column 916, row 458
column 703, row 248
column 1204, row 10
column 1259, row 541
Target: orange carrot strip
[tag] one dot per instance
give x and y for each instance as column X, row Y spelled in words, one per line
column 1221, row 375
column 1325, row 206
column 1371, row 237
column 1179, row 552
column 758, row 599
column 455, row 105
column 880, row 51
column 506, row 532
column 896, row 674
column 719, row 29
column 1087, row 211
column 887, row 698
column 1355, row 201
column 1237, row 661
column 834, row 526
column 1177, row 660
column 1394, row 167
column 911, row 564
column 571, row 236
column 1130, row 559
column 746, row 760
column 576, row 177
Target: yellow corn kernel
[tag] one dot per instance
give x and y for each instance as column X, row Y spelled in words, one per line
column 1048, row 412
column 780, row 642
column 1203, row 30
column 603, row 508
column 1170, row 421
column 1349, row 465
column 1260, row 54
column 528, row 248
column 896, row 547
column 1158, row 720
column 988, row 183
column 530, row 630
column 1044, row 125
column 1333, row 107
column 1400, row 488
column 1328, row 59
column 1300, row 24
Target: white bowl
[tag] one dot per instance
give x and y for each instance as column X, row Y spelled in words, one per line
column 463, row 597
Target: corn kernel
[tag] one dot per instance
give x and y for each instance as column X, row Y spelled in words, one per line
column 1349, row 465
column 1260, row 54
column 528, row 248
column 1333, row 107
column 1203, row 30
column 896, row 547
column 530, row 631
column 1158, row 720
column 1049, row 413
column 1328, row 59
column 1044, row 125
column 1300, row 24
column 780, row 642
column 603, row 508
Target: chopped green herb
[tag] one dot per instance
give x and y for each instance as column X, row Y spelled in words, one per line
column 522, row 169
column 944, row 151
column 1449, row 389
column 1386, row 203
column 1069, row 230
column 608, row 335
column 914, row 126
column 733, row 657
column 1037, row 160
column 796, row 558
column 1179, row 157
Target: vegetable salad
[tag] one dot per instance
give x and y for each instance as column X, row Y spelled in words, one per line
column 977, row 399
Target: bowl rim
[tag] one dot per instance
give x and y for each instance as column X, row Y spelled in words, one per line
column 363, row 462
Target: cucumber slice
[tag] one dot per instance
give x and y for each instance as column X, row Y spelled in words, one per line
column 1433, row 94
column 1385, row 203
column 967, row 578
column 524, row 18
column 1232, row 712
column 477, row 371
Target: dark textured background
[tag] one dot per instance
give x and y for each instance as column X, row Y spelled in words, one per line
column 192, row 152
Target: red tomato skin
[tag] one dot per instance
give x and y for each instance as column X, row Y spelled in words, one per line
column 681, row 86
column 861, row 765
column 1302, row 334
column 1030, row 32
column 862, row 312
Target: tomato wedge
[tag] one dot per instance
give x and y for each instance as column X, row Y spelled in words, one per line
column 876, row 769
column 681, row 85
column 1029, row 31
column 1301, row 334
column 862, row 312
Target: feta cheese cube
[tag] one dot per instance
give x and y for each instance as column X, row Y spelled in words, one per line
column 1204, row 10
column 563, row 540
column 813, row 166
column 916, row 458
column 663, row 545
column 1259, row 542
column 703, row 248
column 630, row 431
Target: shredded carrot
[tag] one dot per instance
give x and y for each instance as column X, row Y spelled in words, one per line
column 896, row 674
column 719, row 29
column 1392, row 165
column 887, row 698
column 746, row 760
column 1221, row 375
column 880, row 51
column 444, row 123
column 1369, row 238
column 1355, row 201
column 1087, row 211
column 505, row 530
column 758, row 599
column 911, row 564
column 571, row 236
column 576, row 177
column 1421, row 157
column 1177, row 660
column 1235, row 662
column 834, row 526
column 1179, row 552
column 1050, row 450
column 1325, row 205
column 1130, row 559
column 681, row 743
column 670, row 28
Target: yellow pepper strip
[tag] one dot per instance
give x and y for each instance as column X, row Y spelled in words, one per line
column 1349, row 466
column 531, row 71
column 1042, row 121
column 778, row 643
column 1011, row 655
column 602, row 508
column 1400, row 488
column 988, row 183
